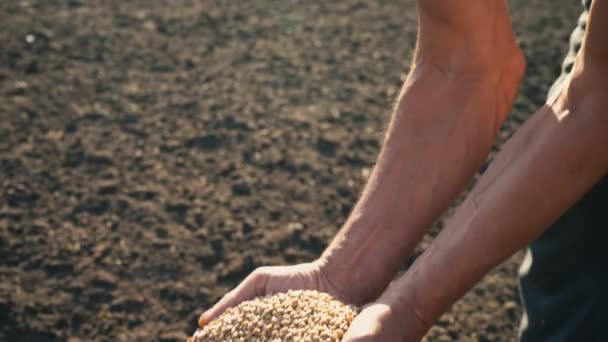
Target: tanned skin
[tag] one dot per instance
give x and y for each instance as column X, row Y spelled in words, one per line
column 460, row 88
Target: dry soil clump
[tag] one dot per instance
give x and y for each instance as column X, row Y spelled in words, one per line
column 292, row 316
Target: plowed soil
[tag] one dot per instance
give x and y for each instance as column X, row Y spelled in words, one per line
column 153, row 153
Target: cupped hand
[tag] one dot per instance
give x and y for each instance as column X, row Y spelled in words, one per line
column 389, row 319
column 375, row 323
column 268, row 280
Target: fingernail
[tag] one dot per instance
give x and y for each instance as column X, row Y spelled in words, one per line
column 202, row 320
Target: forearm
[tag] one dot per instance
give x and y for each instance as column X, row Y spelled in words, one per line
column 430, row 153
column 442, row 128
column 539, row 173
column 457, row 25
column 557, row 156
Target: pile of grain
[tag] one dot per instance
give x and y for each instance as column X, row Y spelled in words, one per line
column 292, row 316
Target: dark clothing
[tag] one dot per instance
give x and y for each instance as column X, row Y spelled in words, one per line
column 564, row 277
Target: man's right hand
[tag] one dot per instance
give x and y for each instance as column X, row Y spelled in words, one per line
column 268, row 280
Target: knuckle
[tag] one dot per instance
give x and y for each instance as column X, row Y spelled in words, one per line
column 259, row 272
column 262, row 269
column 258, row 279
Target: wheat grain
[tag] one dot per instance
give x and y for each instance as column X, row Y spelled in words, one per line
column 302, row 315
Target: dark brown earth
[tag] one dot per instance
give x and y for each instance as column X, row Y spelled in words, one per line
column 153, row 153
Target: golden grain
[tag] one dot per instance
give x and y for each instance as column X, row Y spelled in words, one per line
column 302, row 315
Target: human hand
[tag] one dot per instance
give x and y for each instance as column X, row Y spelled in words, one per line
column 377, row 322
column 267, row 280
column 387, row 320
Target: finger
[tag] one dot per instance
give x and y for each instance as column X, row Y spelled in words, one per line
column 246, row 290
column 358, row 336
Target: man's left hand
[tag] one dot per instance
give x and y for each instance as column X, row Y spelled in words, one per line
column 385, row 321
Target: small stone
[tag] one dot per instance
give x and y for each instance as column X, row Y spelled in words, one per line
column 19, row 89
column 173, row 336
column 241, row 189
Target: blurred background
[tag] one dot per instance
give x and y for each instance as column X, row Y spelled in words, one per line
column 153, row 153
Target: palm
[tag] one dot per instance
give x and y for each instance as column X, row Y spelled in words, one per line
column 267, row 280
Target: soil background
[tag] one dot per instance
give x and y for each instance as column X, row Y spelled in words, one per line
column 153, row 153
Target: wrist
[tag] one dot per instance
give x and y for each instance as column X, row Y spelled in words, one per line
column 340, row 271
column 352, row 262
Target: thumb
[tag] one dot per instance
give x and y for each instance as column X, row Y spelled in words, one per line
column 366, row 326
column 252, row 286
